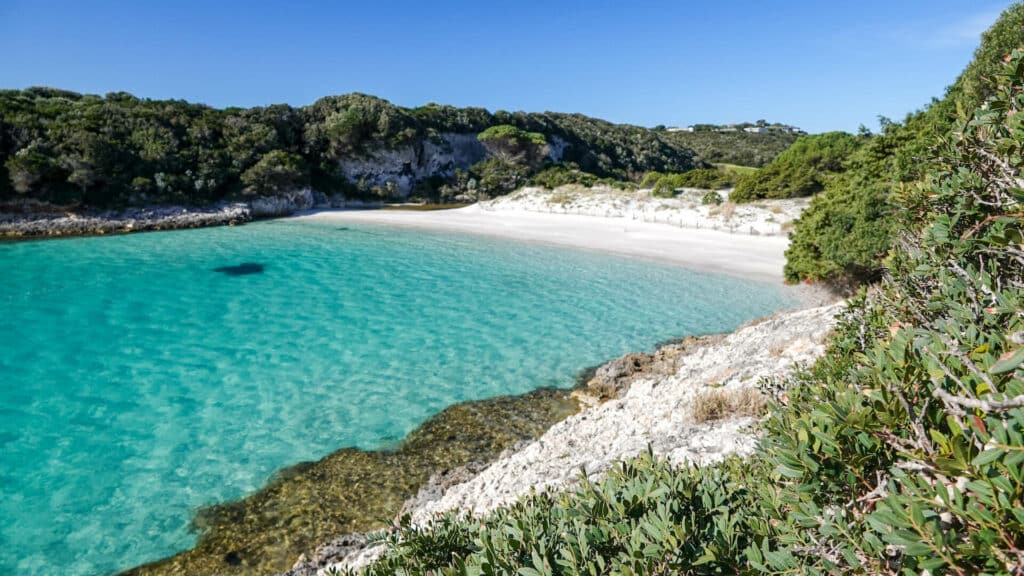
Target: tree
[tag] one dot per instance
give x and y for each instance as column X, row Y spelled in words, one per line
column 511, row 144
column 29, row 168
column 276, row 171
column 801, row 170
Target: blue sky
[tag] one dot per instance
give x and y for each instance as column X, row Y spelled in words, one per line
column 822, row 65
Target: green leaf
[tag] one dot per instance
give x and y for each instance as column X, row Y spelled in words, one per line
column 789, row 472
column 1008, row 361
column 988, row 456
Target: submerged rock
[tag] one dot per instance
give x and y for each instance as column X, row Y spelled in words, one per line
column 243, row 269
column 653, row 412
column 353, row 491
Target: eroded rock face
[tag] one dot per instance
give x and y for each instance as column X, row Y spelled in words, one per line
column 612, row 379
column 404, row 166
column 282, row 204
column 440, row 156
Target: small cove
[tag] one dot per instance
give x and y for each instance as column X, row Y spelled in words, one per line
column 148, row 375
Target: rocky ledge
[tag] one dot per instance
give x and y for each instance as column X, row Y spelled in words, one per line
column 33, row 219
column 637, row 401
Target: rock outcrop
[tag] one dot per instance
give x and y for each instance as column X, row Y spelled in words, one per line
column 437, row 156
column 612, row 379
column 283, row 204
column 34, row 219
column 401, row 167
column 654, row 410
column 55, row 223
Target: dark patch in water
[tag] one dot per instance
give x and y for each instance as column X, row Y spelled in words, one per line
column 347, row 229
column 243, row 269
column 233, row 559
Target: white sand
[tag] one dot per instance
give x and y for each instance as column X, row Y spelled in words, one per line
column 684, row 210
column 752, row 257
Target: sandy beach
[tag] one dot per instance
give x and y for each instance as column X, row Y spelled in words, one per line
column 759, row 258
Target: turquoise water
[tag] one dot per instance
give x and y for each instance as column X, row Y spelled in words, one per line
column 137, row 383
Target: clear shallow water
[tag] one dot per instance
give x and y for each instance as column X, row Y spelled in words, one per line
column 137, row 383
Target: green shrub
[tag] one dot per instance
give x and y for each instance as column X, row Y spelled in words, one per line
column 911, row 430
column 276, row 171
column 645, row 517
column 706, row 178
column 859, row 211
column 665, row 185
column 901, row 451
column 741, row 148
column 512, row 144
column 800, row 170
column 562, row 175
column 495, row 177
column 650, row 179
column 510, row 135
column 711, row 198
column 841, row 235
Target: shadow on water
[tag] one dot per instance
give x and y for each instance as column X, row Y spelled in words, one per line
column 360, row 231
column 243, row 269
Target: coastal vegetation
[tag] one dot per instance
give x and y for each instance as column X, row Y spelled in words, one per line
column 800, row 170
column 566, row 173
column 900, row 452
column 845, row 232
column 665, row 185
column 734, row 147
column 118, row 150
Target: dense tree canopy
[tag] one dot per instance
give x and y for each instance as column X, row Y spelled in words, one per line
column 800, row 170
column 741, row 148
column 514, row 145
column 67, row 148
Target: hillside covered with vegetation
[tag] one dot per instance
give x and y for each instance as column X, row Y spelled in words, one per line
column 118, row 150
column 845, row 232
column 900, row 452
column 738, row 147
column 800, row 170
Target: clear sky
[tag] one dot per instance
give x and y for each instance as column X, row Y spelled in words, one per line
column 822, row 65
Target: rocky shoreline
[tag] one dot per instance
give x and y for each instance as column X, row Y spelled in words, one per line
column 321, row 512
column 37, row 220
column 353, row 490
column 633, row 403
column 321, row 515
